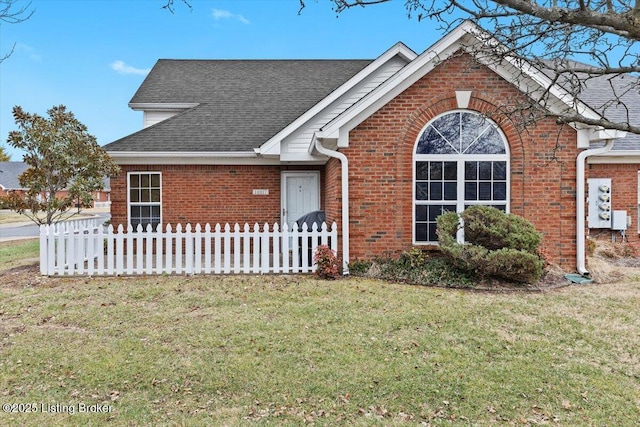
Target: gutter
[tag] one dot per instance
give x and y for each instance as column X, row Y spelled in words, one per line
column 345, row 199
column 580, row 203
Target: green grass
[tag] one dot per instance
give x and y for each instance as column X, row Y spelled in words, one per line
column 19, row 252
column 288, row 350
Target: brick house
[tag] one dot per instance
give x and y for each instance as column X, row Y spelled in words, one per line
column 382, row 146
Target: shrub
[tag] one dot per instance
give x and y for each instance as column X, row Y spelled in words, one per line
column 493, row 229
column 498, row 245
column 327, row 263
column 359, row 267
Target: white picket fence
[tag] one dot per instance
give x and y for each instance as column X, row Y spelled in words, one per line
column 84, row 247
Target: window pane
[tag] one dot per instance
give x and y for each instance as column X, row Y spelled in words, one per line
column 434, row 212
column 133, row 195
column 422, row 170
column 421, row 232
column 422, row 191
column 433, row 235
column 450, row 190
column 484, row 171
column 134, row 181
column 435, row 189
column 435, row 170
column 431, row 142
column 470, row 171
column 421, row 213
column 489, row 142
column 450, row 171
column 144, row 180
column 155, row 180
column 484, row 190
column 135, row 211
column 499, row 191
column 155, row 195
column 145, row 195
column 500, row 170
column 470, row 191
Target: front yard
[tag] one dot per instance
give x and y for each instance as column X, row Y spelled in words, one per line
column 287, row 350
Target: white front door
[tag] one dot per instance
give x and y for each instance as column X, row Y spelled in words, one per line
column 300, row 195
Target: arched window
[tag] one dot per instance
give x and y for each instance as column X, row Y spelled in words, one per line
column 461, row 159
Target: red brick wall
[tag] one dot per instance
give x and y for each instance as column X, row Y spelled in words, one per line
column 208, row 193
column 624, row 196
column 381, row 162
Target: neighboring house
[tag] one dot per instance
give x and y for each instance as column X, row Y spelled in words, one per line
column 382, row 146
column 9, row 173
column 9, row 183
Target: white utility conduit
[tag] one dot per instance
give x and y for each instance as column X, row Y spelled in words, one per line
column 345, row 200
column 580, row 197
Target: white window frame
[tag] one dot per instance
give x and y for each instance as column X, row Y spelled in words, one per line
column 130, row 203
column 460, row 159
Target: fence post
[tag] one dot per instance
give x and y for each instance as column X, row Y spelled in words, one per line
column 264, row 249
column 207, row 249
column 198, row 250
column 168, row 264
column 236, row 248
column 217, row 263
column 285, row 247
column 188, row 250
column 276, row 248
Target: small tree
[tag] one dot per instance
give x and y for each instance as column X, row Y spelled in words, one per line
column 62, row 156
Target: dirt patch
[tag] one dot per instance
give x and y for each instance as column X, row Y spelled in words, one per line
column 613, row 262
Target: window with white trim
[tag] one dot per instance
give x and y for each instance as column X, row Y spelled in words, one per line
column 461, row 159
column 145, row 201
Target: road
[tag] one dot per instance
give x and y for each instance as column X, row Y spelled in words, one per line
column 25, row 230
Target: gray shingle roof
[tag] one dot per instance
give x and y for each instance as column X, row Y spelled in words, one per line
column 242, row 103
column 616, row 97
column 9, row 173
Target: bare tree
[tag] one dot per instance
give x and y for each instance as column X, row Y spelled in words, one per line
column 13, row 13
column 171, row 4
column 588, row 47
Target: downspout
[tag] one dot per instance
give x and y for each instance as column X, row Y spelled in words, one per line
column 345, row 199
column 580, row 209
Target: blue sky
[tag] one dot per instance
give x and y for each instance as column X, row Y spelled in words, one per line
column 91, row 55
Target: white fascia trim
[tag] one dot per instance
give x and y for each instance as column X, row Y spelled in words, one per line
column 616, row 157
column 190, row 158
column 339, row 127
column 154, row 106
column 272, row 146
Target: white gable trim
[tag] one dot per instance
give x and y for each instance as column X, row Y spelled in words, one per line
column 462, row 37
column 272, row 146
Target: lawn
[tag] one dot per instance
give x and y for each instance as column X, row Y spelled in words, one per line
column 288, row 350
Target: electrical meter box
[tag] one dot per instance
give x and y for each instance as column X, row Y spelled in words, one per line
column 619, row 220
column 599, row 203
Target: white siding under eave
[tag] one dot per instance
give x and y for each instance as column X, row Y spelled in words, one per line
column 152, row 117
column 298, row 142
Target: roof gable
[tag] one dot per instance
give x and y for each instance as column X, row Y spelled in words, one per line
column 466, row 37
